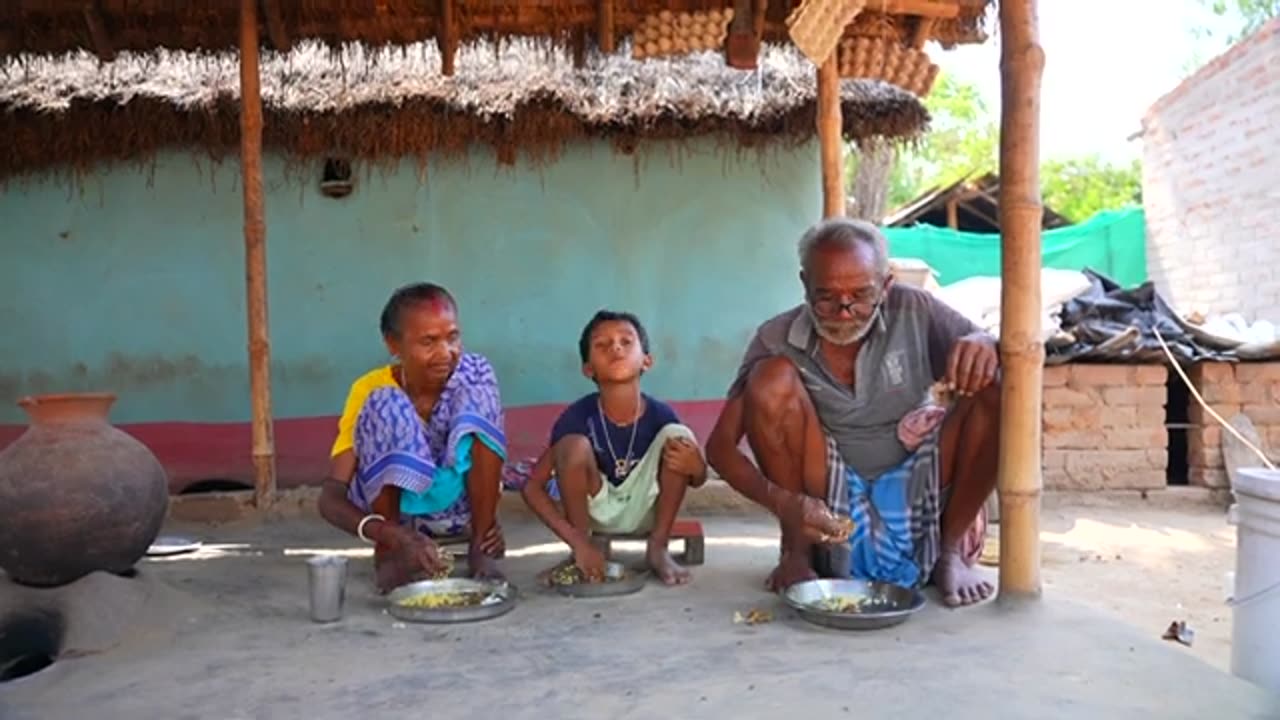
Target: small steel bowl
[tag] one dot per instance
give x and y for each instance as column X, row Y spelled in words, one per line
column 500, row 600
column 885, row 605
column 632, row 581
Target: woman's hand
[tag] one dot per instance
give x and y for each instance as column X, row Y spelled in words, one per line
column 404, row 555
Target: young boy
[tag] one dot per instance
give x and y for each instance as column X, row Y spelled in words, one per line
column 621, row 459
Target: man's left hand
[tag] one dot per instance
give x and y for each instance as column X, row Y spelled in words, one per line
column 682, row 456
column 973, row 363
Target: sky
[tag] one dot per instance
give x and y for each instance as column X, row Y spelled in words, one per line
column 1106, row 62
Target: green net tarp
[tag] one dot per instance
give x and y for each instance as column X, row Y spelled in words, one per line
column 1113, row 242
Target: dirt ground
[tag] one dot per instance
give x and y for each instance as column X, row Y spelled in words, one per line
column 1147, row 562
column 223, row 633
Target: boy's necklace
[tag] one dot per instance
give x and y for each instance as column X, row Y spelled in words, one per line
column 621, row 468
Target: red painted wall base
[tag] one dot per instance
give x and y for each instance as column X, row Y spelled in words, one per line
column 191, row 452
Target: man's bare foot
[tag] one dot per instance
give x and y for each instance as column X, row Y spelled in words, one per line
column 959, row 583
column 792, row 568
column 666, row 567
column 481, row 565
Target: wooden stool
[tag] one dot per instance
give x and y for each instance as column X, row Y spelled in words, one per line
column 690, row 531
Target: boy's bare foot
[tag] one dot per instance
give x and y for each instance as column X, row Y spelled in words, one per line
column 666, row 567
column 482, row 565
column 959, row 583
column 792, row 568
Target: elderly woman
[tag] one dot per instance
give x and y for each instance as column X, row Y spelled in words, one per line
column 420, row 447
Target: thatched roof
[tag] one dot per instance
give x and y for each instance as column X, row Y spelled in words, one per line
column 73, row 111
column 111, row 26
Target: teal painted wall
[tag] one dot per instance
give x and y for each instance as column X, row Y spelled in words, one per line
column 135, row 282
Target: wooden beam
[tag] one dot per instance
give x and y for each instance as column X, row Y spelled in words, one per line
column 829, row 137
column 276, row 31
column 923, row 31
column 953, row 221
column 447, row 37
column 606, row 35
column 255, row 252
column 1021, row 350
column 98, row 35
column 923, row 8
column 742, row 47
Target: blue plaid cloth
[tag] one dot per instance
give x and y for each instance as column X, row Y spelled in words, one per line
column 897, row 518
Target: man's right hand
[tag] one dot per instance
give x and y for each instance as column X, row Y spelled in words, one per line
column 403, row 556
column 810, row 517
column 589, row 560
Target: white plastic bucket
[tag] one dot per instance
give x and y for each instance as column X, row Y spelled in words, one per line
column 1255, row 630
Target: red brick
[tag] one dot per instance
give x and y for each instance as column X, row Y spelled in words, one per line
column 1262, row 414
column 1204, row 456
column 1066, row 397
column 1119, row 416
column 1158, row 458
column 1205, row 436
column 1197, row 416
column 1273, row 439
column 1074, row 440
column 1059, row 479
column 1137, row 438
column 1249, row 372
column 1083, row 375
column 1057, row 419
column 1227, row 391
column 1054, row 459
column 1140, row 396
column 1112, row 468
column 1151, row 374
column 1208, row 477
column 1056, row 376
column 1211, row 372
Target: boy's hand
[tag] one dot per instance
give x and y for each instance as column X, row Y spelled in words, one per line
column 589, row 560
column 682, row 456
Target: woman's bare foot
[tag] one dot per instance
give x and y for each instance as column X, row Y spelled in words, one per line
column 665, row 566
column 792, row 568
column 959, row 583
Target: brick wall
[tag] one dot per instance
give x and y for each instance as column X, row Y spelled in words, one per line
column 1104, row 427
column 1230, row 388
column 1211, row 189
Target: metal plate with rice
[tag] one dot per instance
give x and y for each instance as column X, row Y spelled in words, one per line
column 451, row 600
column 853, row 604
column 619, row 580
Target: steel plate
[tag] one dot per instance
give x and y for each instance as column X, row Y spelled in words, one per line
column 500, row 601
column 632, row 581
column 885, row 605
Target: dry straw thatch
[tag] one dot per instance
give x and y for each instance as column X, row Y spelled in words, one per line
column 110, row 26
column 73, row 111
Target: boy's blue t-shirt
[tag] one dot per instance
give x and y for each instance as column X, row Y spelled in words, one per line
column 584, row 418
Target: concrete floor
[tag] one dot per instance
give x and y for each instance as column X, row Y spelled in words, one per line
column 224, row 634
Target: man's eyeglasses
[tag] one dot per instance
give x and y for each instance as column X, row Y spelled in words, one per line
column 860, row 304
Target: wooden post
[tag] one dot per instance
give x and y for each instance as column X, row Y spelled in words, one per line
column 953, row 213
column 605, row 34
column 255, row 255
column 829, row 138
column 1021, row 350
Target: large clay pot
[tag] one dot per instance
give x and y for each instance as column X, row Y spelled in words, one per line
column 76, row 494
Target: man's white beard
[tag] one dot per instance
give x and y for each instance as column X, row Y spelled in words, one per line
column 845, row 338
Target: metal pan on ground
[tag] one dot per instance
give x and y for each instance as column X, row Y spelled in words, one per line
column 853, row 604
column 451, row 600
column 167, row 545
column 619, row 580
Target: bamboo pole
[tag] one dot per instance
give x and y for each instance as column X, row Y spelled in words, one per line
column 1021, row 351
column 829, row 138
column 255, row 252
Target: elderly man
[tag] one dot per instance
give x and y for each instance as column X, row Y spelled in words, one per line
column 833, row 398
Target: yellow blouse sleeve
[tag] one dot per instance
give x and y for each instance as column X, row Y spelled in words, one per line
column 359, row 392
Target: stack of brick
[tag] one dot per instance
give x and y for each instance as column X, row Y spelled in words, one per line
column 1230, row 388
column 1104, row 427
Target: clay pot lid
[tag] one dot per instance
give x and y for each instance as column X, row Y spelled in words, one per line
column 67, row 407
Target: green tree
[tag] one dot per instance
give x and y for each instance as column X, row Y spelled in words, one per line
column 964, row 139
column 1077, row 188
column 1253, row 14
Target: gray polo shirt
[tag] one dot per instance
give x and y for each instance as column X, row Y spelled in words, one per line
column 904, row 354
